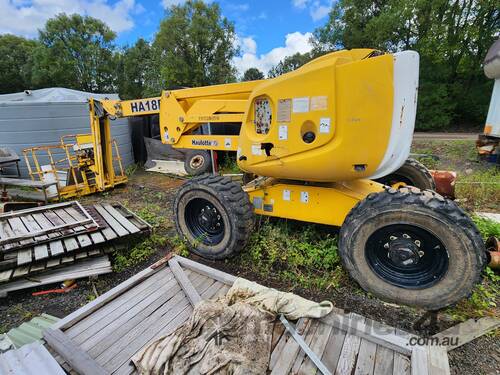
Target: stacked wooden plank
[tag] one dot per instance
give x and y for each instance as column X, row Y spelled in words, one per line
column 33, row 241
column 102, row 336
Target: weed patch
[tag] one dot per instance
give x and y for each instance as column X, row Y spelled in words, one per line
column 130, row 256
column 485, row 297
column 480, row 189
column 483, row 300
column 486, row 227
column 304, row 254
column 229, row 165
column 151, row 214
column 131, row 169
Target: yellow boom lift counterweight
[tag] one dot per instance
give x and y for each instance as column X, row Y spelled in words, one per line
column 317, row 137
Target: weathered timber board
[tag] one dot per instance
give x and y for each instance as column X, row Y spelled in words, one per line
column 17, row 232
column 155, row 302
column 73, row 240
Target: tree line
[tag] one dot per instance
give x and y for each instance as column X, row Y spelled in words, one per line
column 195, row 46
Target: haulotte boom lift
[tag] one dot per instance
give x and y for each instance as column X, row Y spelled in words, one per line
column 317, row 137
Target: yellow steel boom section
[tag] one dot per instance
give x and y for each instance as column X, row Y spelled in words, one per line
column 182, row 111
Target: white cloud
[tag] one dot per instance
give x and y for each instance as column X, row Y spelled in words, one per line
column 23, row 17
column 319, row 12
column 318, row 9
column 168, row 3
column 238, row 7
column 248, row 45
column 301, row 4
column 294, row 42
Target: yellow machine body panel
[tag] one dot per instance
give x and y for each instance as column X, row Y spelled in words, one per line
column 327, row 203
column 344, row 116
column 344, row 101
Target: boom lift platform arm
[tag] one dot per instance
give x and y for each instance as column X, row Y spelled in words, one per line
column 317, row 136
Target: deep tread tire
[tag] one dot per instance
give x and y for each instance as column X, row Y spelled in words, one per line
column 413, row 173
column 429, row 210
column 195, row 157
column 233, row 204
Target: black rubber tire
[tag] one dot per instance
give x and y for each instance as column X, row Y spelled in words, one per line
column 198, row 162
column 412, row 173
column 232, row 203
column 430, row 211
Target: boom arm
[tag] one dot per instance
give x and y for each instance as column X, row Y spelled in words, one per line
column 183, row 111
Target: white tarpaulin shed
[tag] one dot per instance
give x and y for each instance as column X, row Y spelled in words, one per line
column 41, row 117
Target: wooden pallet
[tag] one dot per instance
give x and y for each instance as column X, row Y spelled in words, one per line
column 35, row 226
column 116, row 223
column 32, row 270
column 102, row 336
column 80, row 269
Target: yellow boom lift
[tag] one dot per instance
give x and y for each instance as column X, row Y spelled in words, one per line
column 318, row 137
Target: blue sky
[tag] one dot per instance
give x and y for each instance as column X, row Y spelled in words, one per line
column 267, row 30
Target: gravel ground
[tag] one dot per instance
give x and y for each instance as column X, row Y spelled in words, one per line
column 482, row 356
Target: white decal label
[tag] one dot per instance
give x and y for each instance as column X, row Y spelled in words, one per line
column 300, row 105
column 147, row 105
column 319, row 103
column 227, row 142
column 256, row 150
column 284, row 110
column 324, row 125
column 286, row 195
column 238, row 152
column 204, row 142
column 283, row 132
column 304, row 196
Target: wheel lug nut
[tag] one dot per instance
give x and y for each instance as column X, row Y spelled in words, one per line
column 386, row 245
column 406, row 236
column 392, row 238
column 417, row 242
column 421, row 253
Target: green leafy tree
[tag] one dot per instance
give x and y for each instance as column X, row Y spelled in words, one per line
column 252, row 74
column 135, row 67
column 289, row 64
column 195, row 46
column 76, row 52
column 452, row 37
column 15, row 63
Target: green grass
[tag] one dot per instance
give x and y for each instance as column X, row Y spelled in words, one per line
column 229, row 165
column 486, row 227
column 134, row 254
column 459, row 150
column 140, row 250
column 486, row 295
column 428, row 161
column 479, row 190
column 151, row 213
column 131, row 169
column 452, row 154
column 304, row 254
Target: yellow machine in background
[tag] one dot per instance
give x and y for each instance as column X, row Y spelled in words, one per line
column 317, row 137
column 81, row 164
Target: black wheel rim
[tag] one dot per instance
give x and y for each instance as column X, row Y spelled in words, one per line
column 197, row 162
column 406, row 256
column 204, row 221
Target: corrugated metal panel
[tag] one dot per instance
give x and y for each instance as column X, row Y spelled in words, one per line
column 32, row 359
column 29, row 124
column 31, row 331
